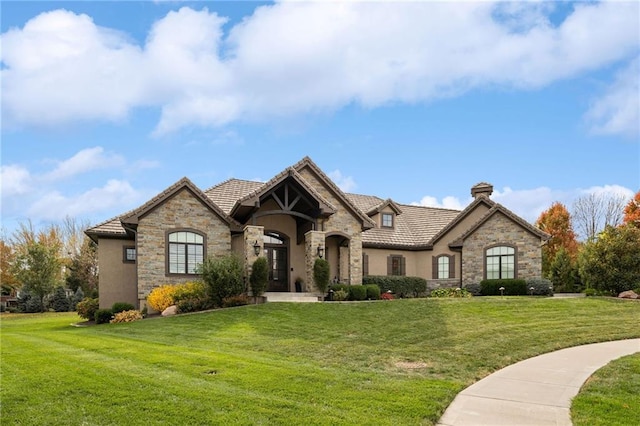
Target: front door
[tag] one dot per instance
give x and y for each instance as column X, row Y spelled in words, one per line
column 278, row 268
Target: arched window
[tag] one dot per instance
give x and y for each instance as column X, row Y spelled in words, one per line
column 186, row 252
column 443, row 267
column 501, row 263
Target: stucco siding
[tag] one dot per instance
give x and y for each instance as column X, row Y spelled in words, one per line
column 117, row 279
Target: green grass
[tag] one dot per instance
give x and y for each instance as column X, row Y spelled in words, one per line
column 611, row 396
column 276, row 363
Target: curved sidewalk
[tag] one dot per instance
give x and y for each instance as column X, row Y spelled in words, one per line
column 536, row 391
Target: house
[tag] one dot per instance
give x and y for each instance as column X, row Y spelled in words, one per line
column 298, row 216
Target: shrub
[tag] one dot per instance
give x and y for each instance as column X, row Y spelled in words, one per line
column 357, row 292
column 589, row 292
column 451, row 292
column 231, row 301
column 224, row 277
column 474, row 289
column 189, row 290
column 373, row 291
column 103, row 316
column 321, row 274
column 78, row 296
column 259, row 277
column 386, row 296
column 541, row 287
column 193, row 304
column 401, row 286
column 121, row 307
column 59, row 301
column 512, row 287
column 87, row 308
column 340, row 295
column 126, row 316
column 161, row 297
column 336, row 287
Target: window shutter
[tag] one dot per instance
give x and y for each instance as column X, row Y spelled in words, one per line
column 452, row 266
column 403, row 266
column 365, row 264
column 389, row 265
column 434, row 268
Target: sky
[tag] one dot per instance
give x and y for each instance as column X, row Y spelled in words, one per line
column 105, row 104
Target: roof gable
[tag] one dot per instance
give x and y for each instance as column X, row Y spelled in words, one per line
column 134, row 216
column 461, row 216
column 386, row 203
column 306, row 162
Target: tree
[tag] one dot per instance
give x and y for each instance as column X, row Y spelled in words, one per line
column 632, row 211
column 7, row 258
column 594, row 212
column 37, row 268
column 259, row 277
column 223, row 276
column 562, row 272
column 59, row 301
column 83, row 269
column 321, row 275
column 611, row 262
column 556, row 221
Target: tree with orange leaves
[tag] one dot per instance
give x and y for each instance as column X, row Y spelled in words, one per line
column 632, row 211
column 556, row 221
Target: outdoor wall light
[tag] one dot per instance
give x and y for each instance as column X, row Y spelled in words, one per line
column 320, row 251
column 256, row 248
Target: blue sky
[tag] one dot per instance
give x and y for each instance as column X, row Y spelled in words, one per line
column 105, row 104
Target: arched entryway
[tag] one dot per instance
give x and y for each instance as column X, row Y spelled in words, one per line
column 337, row 254
column 276, row 250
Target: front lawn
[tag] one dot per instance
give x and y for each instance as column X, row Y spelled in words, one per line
column 395, row 362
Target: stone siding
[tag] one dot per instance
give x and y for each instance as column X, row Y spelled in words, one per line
column 448, row 283
column 181, row 211
column 500, row 229
column 341, row 221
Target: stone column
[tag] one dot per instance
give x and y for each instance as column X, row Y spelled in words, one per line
column 252, row 234
column 312, row 240
column 355, row 259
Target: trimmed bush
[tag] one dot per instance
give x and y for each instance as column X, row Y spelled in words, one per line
column 541, row 287
column 189, row 290
column 357, row 292
column 103, row 316
column 401, row 286
column 126, row 316
column 224, row 277
column 340, row 295
column 336, row 287
column 474, row 289
column 193, row 304
column 451, row 292
column 259, row 278
column 161, row 297
column 512, row 287
column 373, row 291
column 321, row 274
column 121, row 307
column 590, row 292
column 87, row 308
column 231, row 301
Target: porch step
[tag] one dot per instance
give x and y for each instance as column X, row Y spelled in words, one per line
column 291, row 297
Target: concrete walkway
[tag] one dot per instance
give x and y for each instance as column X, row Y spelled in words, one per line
column 536, row 391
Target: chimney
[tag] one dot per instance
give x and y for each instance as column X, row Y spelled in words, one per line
column 482, row 189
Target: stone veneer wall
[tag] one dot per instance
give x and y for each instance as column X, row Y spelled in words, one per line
column 183, row 210
column 343, row 221
column 312, row 240
column 500, row 229
column 448, row 283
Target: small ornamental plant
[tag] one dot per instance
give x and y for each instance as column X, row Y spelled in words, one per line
column 126, row 316
column 386, row 295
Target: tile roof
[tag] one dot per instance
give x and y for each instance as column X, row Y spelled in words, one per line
column 227, row 193
column 108, row 227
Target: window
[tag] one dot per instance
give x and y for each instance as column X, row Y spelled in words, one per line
column 500, row 263
column 186, row 252
column 396, row 265
column 443, row 267
column 387, row 220
column 129, row 254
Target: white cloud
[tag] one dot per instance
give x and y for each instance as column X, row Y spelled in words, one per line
column 530, row 203
column 61, row 67
column 15, row 180
column 617, row 111
column 345, row 183
column 55, row 206
column 84, row 161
